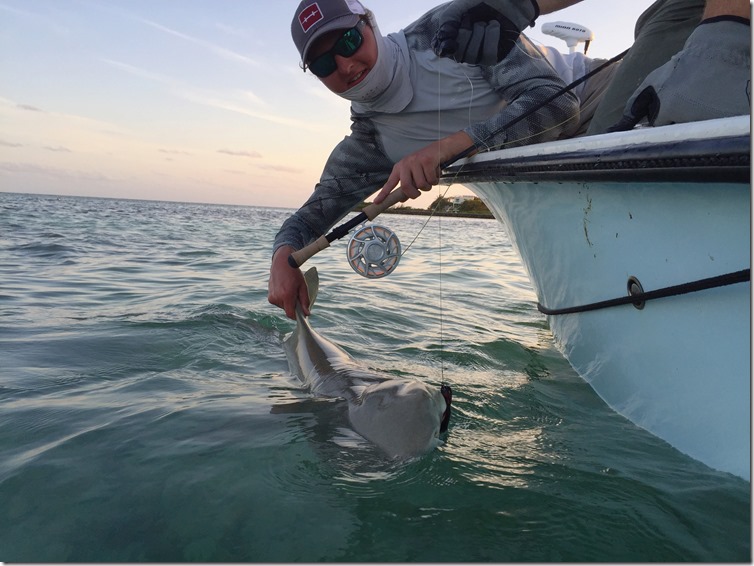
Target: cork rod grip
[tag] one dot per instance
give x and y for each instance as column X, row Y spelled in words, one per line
column 372, row 210
column 297, row 259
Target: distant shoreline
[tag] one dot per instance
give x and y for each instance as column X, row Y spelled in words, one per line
column 406, row 210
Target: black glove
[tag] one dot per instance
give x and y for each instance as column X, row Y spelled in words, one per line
column 709, row 78
column 482, row 33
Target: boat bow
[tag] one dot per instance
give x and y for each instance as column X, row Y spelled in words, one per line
column 617, row 218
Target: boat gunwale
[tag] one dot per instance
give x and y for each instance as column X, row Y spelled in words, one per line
column 719, row 159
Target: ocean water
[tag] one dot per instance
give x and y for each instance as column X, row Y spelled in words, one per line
column 147, row 412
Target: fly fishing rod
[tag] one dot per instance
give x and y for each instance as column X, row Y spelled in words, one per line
column 371, row 211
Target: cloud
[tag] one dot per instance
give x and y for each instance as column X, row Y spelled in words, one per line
column 253, row 98
column 213, row 100
column 16, row 11
column 216, row 49
column 251, row 154
column 36, row 18
column 29, row 107
column 141, row 73
column 230, row 30
column 60, row 120
column 171, row 152
column 231, row 106
column 4, row 143
column 279, row 168
column 54, row 172
column 59, row 148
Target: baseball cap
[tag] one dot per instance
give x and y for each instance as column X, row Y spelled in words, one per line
column 313, row 18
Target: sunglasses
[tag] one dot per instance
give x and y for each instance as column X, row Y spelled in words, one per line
column 346, row 46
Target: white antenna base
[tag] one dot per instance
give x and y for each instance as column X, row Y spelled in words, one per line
column 571, row 33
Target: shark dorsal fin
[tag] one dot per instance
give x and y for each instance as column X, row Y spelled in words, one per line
column 312, row 283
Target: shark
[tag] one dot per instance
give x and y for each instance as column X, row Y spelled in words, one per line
column 403, row 417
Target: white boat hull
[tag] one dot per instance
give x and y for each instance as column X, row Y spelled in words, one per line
column 680, row 366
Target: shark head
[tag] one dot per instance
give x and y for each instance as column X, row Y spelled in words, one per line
column 404, row 417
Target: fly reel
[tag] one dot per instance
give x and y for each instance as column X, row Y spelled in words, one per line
column 373, row 251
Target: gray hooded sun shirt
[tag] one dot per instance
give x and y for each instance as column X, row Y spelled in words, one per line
column 429, row 98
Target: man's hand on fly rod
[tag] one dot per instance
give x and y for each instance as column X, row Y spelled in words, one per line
column 415, row 173
column 420, row 171
column 287, row 286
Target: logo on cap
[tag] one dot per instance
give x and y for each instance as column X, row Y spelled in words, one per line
column 310, row 16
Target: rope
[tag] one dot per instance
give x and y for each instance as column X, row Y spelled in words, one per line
column 673, row 291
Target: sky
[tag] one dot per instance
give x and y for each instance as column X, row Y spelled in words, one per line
column 191, row 100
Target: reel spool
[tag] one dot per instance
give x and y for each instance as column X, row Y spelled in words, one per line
column 373, row 251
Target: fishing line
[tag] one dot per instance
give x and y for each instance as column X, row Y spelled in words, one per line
column 435, row 208
column 442, row 312
column 439, row 230
column 489, row 147
column 432, row 212
column 441, row 196
column 438, row 202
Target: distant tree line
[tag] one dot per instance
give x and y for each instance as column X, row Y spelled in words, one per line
column 469, row 206
column 444, row 206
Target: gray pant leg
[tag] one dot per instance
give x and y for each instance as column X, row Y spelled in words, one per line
column 591, row 95
column 660, row 33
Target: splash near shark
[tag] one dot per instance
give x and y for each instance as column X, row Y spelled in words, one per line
column 403, row 417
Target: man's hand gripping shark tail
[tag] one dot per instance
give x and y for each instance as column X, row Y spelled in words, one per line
column 404, row 417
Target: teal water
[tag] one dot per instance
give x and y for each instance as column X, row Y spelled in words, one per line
column 147, row 412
